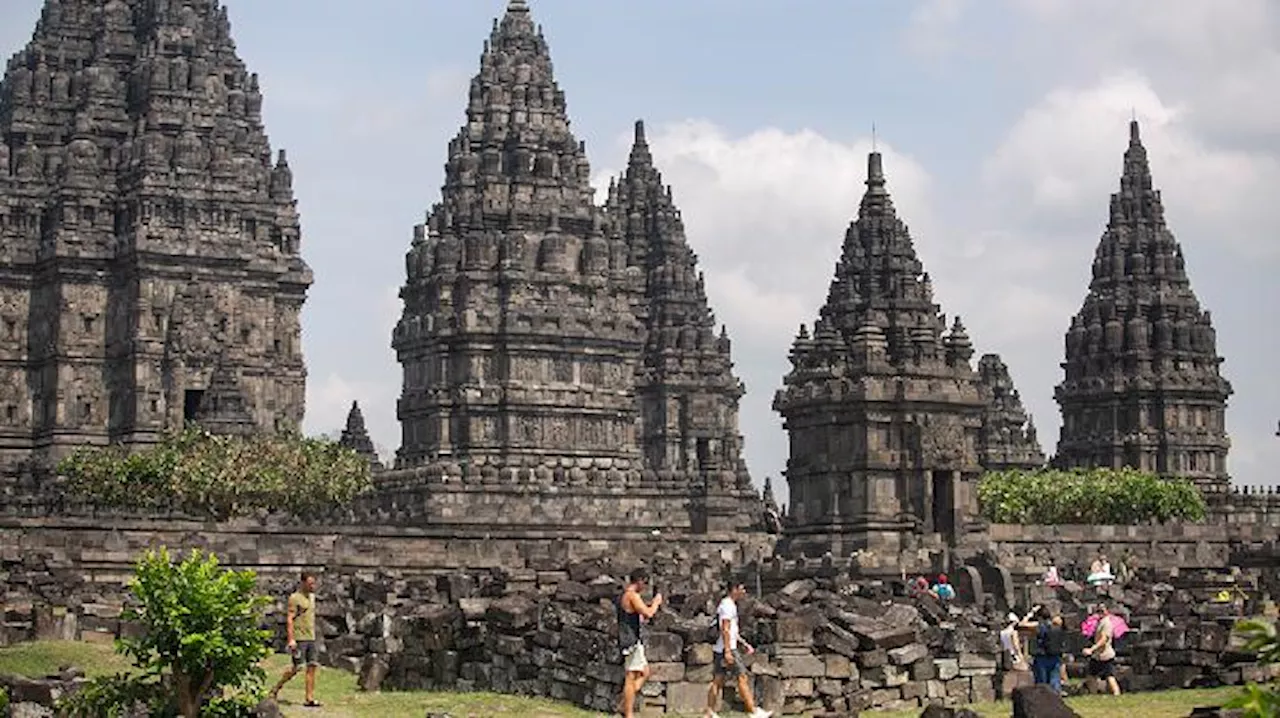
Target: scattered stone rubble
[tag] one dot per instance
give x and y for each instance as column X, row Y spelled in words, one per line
column 828, row 643
column 824, row 646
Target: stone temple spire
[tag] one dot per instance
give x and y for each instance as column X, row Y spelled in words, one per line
column 1008, row 439
column 880, row 286
column 1141, row 384
column 356, row 437
column 882, row 404
column 133, row 128
column 515, row 161
column 519, row 340
column 687, row 391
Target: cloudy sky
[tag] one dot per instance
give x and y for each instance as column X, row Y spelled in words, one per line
column 1003, row 123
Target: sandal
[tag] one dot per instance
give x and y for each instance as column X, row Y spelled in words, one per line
column 313, row 704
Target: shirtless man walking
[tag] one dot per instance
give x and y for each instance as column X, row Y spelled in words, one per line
column 632, row 613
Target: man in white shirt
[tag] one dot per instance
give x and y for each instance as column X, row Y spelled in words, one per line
column 727, row 661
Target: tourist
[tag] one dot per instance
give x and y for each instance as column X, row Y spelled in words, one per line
column 1014, row 659
column 300, row 631
column 943, row 590
column 1100, row 573
column 1051, row 577
column 632, row 613
column 1102, row 654
column 727, row 659
column 918, row 587
column 1047, row 648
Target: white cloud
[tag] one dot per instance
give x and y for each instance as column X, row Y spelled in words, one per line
column 1062, row 158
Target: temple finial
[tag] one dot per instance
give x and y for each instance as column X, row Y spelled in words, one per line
column 874, row 146
column 640, row 132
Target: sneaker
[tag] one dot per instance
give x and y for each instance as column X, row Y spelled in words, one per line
column 761, row 713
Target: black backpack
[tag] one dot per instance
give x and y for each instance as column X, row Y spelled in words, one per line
column 1050, row 641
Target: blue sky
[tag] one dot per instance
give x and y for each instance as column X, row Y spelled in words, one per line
column 1003, row 123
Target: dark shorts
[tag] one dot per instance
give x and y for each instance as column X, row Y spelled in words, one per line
column 306, row 653
column 737, row 668
column 1102, row 669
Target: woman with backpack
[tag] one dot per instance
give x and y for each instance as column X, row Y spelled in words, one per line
column 1047, row 647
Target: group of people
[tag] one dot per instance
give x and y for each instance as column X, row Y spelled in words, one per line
column 941, row 588
column 1045, row 646
column 727, row 654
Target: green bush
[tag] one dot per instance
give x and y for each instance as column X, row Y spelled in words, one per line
column 1087, row 496
column 1257, row 701
column 220, row 476
column 4, row 702
column 200, row 648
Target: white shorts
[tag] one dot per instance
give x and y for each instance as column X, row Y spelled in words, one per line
column 633, row 659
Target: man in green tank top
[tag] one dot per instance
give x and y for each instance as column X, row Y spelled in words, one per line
column 300, row 629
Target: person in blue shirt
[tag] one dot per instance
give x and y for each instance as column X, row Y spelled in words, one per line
column 943, row 589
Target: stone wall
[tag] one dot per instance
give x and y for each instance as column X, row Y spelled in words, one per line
column 1025, row 551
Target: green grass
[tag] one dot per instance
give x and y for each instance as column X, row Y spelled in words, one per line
column 336, row 689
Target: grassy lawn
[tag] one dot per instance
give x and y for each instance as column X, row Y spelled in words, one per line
column 336, row 690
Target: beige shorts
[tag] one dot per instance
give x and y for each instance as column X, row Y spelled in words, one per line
column 634, row 660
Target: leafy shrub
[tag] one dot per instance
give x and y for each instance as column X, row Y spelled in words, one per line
column 200, row 648
column 1092, row 496
column 1256, row 701
column 4, row 702
column 220, row 477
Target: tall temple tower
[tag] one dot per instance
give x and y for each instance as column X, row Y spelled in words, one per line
column 148, row 239
column 1142, row 387
column 518, row 339
column 882, row 405
column 561, row 366
column 687, row 392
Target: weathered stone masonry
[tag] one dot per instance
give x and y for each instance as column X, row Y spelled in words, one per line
column 150, row 240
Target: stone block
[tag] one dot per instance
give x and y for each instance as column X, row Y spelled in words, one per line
column 885, row 676
column 666, row 672
column 686, row 698
column 797, row 687
column 838, row 667
column 699, row 654
column 834, row 639
column 828, row 687
column 924, row 669
column 906, row 655
column 794, row 631
column 663, row 647
column 802, row 666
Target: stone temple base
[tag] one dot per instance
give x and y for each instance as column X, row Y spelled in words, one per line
column 630, row 505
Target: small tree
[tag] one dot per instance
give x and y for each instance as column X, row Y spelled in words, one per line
column 200, row 639
column 220, row 477
column 1256, row 701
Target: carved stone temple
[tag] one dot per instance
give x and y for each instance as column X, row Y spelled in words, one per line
column 561, row 367
column 147, row 236
column 1141, row 385
column 888, row 421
